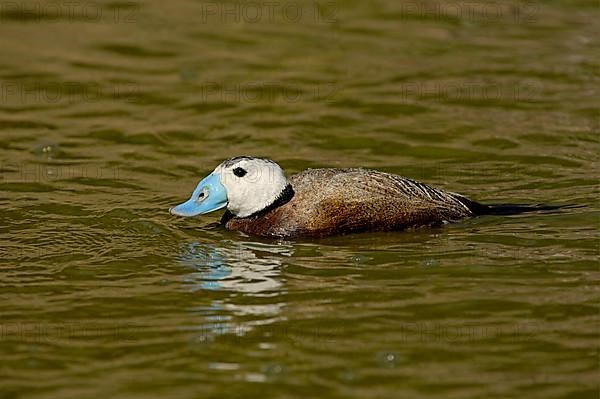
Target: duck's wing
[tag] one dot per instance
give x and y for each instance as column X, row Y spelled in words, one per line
column 412, row 191
column 364, row 184
column 358, row 199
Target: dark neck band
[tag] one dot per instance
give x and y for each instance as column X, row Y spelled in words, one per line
column 284, row 197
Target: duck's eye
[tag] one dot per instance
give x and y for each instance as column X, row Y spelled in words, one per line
column 239, row 172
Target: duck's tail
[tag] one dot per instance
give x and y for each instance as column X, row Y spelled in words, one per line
column 508, row 209
column 515, row 209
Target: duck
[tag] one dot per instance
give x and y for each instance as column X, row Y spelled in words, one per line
column 261, row 201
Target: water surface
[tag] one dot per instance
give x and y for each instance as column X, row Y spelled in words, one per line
column 107, row 120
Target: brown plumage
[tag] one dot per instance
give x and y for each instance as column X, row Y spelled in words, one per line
column 338, row 201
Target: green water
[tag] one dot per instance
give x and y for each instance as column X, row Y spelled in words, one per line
column 107, row 120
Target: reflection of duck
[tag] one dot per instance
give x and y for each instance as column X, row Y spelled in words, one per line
column 260, row 200
column 252, row 269
column 241, row 267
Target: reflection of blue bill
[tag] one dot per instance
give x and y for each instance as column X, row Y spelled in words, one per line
column 208, row 261
column 252, row 269
column 235, row 266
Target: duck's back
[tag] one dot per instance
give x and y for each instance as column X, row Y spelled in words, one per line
column 337, row 201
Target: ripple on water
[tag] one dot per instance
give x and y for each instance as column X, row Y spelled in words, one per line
column 100, row 283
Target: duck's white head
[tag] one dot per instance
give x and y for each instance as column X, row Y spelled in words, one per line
column 245, row 185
